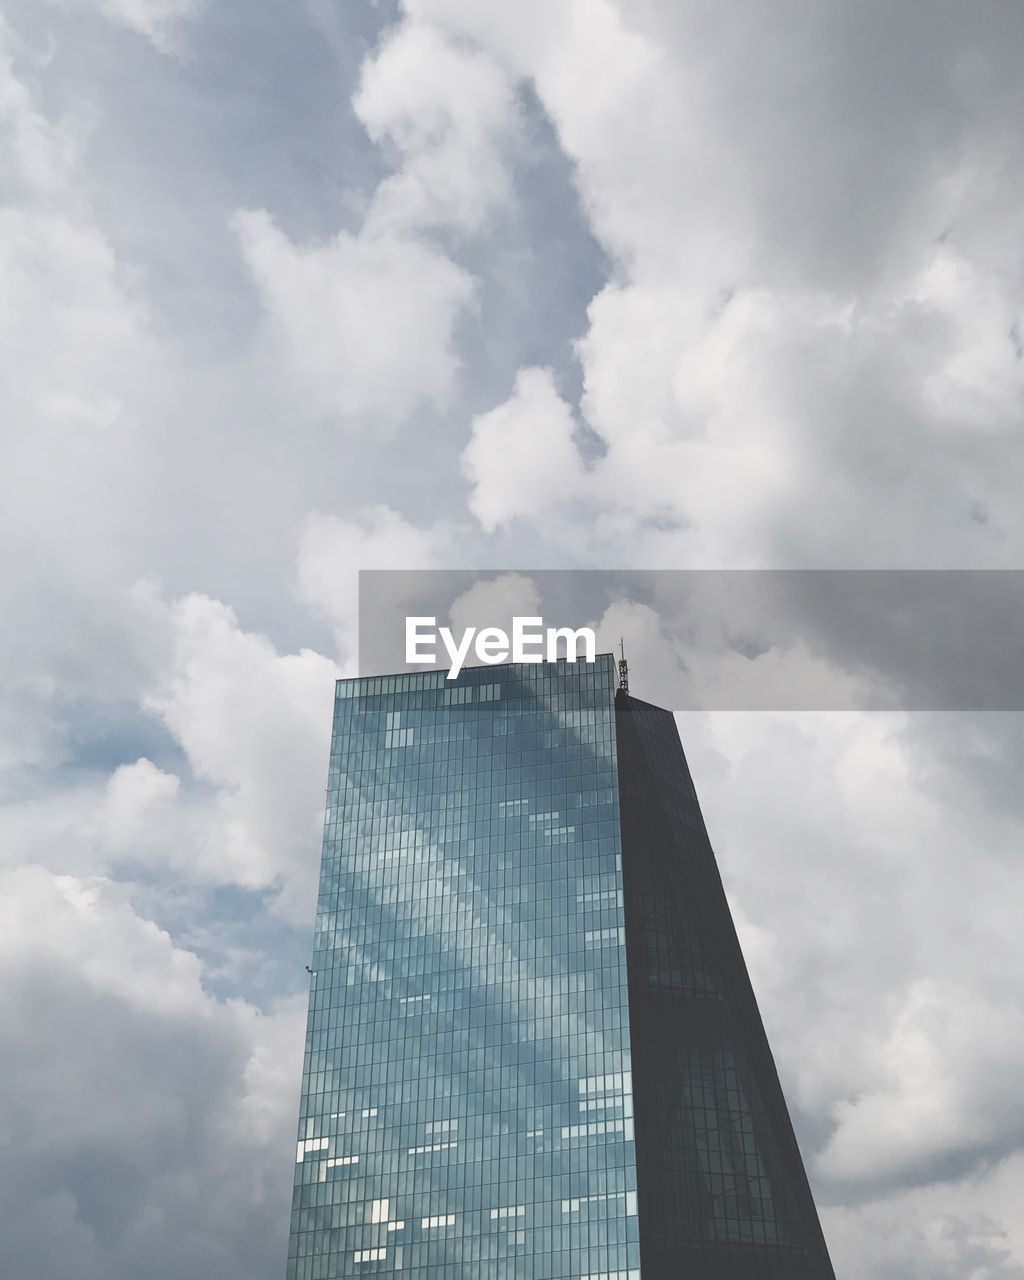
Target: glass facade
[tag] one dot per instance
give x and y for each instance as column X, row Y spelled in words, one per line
column 722, row 1189
column 517, row 889
column 467, row 1103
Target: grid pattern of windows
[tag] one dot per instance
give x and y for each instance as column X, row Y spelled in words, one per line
column 722, row 1188
column 467, row 1102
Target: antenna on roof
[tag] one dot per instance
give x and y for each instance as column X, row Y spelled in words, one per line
column 623, row 667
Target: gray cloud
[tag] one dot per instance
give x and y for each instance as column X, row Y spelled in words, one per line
column 147, row 1117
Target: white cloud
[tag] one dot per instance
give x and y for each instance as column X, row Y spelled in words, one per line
column 137, row 796
column 891, row 1019
column 75, row 347
column 522, row 460
column 450, row 113
column 367, row 322
column 135, row 816
column 494, row 602
column 332, row 551
column 255, row 725
column 719, row 427
column 976, row 379
column 73, row 338
column 770, row 329
column 77, row 357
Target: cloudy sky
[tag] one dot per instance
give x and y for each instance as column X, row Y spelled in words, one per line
column 291, row 288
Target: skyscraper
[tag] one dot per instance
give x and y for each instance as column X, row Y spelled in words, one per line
column 533, row 1050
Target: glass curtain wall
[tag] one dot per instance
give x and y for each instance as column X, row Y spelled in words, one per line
column 467, row 1103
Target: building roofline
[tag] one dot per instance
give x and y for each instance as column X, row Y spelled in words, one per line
column 483, row 666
